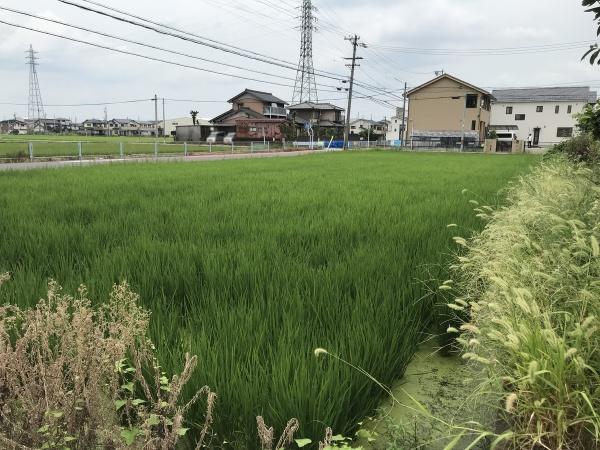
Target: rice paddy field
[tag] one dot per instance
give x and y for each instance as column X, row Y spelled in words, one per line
column 253, row 264
column 67, row 147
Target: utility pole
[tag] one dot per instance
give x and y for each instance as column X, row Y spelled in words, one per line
column 354, row 41
column 106, row 121
column 164, row 123
column 402, row 130
column 462, row 140
column 155, row 125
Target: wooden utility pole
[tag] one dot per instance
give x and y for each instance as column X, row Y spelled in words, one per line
column 402, row 130
column 354, row 41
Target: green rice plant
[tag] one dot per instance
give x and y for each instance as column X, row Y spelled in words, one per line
column 252, row 264
column 530, row 284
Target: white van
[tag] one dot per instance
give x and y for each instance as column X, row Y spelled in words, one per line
column 506, row 135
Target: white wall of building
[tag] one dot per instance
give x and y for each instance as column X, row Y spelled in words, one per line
column 394, row 129
column 548, row 121
column 172, row 124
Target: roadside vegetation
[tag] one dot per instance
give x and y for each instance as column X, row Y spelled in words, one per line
column 252, row 264
column 528, row 304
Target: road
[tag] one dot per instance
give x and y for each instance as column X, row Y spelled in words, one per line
column 195, row 158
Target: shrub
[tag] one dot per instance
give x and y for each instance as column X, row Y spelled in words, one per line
column 583, row 148
column 530, row 282
column 72, row 377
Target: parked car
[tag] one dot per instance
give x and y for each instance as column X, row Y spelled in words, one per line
column 229, row 138
column 506, row 135
column 215, row 137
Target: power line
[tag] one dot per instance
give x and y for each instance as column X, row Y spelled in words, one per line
column 120, row 38
column 139, row 55
column 501, row 51
column 217, row 44
column 82, row 104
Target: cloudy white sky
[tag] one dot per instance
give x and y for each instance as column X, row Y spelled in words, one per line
column 72, row 73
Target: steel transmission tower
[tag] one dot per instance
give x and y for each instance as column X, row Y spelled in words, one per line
column 36, row 106
column 305, row 89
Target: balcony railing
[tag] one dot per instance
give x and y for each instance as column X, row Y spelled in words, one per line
column 274, row 111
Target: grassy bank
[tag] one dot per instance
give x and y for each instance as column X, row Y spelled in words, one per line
column 252, row 264
column 529, row 285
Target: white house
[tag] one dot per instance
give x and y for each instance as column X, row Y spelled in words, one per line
column 547, row 113
column 394, row 126
column 376, row 127
column 13, row 126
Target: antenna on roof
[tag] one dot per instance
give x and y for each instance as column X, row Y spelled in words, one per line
column 439, row 73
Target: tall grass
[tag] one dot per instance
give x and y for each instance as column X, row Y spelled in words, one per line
column 530, row 283
column 252, row 264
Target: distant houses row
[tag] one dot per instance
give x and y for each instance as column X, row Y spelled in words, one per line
column 90, row 127
column 445, row 109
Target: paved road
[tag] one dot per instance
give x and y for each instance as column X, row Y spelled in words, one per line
column 196, row 158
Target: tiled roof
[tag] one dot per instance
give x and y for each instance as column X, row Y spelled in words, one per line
column 266, row 97
column 316, row 106
column 249, row 112
column 540, row 95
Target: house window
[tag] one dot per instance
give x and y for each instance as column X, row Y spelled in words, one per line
column 473, row 125
column 519, row 116
column 471, row 100
column 509, row 110
column 253, row 129
column 556, row 109
column 539, row 109
column 564, row 132
column 569, row 109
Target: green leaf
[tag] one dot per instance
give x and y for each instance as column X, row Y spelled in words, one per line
column 43, row 429
column 452, row 444
column 153, row 420
column 303, row 442
column 138, row 401
column 129, row 435
column 182, row 431
column 119, row 404
column 128, row 387
column 338, row 437
column 69, row 439
column 595, row 246
column 164, row 380
column 119, row 365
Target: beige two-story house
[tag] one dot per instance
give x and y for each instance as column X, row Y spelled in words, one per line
column 447, row 108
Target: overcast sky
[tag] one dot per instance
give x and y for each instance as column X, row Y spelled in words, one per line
column 71, row 73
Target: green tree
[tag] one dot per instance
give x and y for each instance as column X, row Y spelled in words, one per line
column 593, row 6
column 366, row 134
column 194, row 115
column 588, row 121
